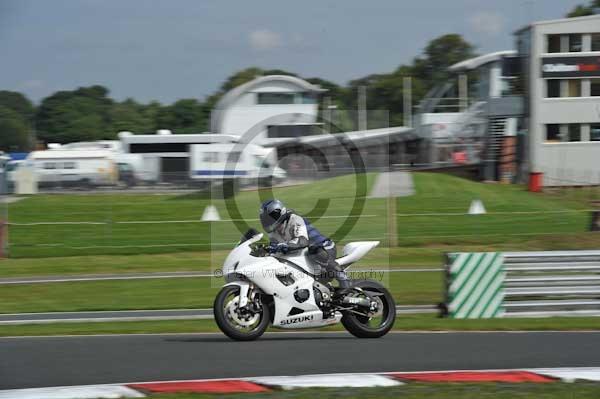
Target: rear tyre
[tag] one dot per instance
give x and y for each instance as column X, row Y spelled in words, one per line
column 375, row 324
column 236, row 323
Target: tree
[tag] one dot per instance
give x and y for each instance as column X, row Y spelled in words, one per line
column 133, row 117
column 248, row 74
column 240, row 77
column 15, row 131
column 439, row 55
column 18, row 103
column 82, row 114
column 583, row 10
column 184, row 116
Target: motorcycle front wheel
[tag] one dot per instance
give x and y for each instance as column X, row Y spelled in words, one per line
column 373, row 324
column 239, row 324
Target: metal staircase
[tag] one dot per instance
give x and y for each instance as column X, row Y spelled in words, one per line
column 496, row 133
column 468, row 124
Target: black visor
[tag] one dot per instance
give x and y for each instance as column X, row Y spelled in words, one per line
column 275, row 214
column 272, row 213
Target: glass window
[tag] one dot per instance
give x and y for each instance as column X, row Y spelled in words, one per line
column 553, row 88
column 69, row 165
column 553, row 43
column 553, row 133
column 595, row 87
column 124, row 167
column 234, row 157
column 11, row 166
column 49, row 165
column 258, row 161
column 595, row 41
column 309, row 98
column 574, row 132
column 211, row 157
column 595, row 132
column 575, row 43
column 574, row 88
column 275, row 98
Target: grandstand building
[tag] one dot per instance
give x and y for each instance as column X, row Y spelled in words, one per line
column 561, row 68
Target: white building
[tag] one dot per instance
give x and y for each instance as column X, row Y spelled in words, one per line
column 561, row 68
column 163, row 156
column 268, row 108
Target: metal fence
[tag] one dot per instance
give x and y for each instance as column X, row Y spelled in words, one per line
column 552, row 283
column 522, row 284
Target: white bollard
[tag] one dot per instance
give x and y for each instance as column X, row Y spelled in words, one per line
column 211, row 214
column 476, row 208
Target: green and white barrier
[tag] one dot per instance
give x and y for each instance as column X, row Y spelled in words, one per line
column 474, row 285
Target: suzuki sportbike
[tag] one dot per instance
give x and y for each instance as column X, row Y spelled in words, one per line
column 288, row 291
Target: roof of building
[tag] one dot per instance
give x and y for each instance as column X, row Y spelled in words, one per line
column 70, row 154
column 560, row 20
column 178, row 138
column 236, row 92
column 355, row 137
column 473, row 63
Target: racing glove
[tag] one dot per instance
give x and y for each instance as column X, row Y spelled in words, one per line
column 280, row 247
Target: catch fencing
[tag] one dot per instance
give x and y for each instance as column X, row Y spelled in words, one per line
column 522, row 284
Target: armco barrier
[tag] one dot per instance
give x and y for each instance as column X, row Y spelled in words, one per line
column 522, row 284
column 474, row 285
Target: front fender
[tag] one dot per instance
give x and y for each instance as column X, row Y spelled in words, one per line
column 244, row 288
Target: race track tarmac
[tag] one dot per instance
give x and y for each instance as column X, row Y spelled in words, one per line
column 56, row 361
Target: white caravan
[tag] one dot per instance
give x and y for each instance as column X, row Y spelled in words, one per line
column 245, row 162
column 74, row 167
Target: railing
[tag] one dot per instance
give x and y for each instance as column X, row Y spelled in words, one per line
column 555, row 283
column 522, row 284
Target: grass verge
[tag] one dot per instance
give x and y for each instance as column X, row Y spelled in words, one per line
column 403, row 323
column 433, row 217
column 179, row 293
column 428, row 256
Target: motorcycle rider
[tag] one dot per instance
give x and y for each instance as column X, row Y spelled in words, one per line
column 289, row 231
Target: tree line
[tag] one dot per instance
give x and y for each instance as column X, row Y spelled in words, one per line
column 582, row 10
column 88, row 113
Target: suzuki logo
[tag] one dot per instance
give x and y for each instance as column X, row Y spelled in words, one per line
column 295, row 320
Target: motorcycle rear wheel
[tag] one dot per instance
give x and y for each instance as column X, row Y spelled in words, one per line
column 233, row 322
column 363, row 326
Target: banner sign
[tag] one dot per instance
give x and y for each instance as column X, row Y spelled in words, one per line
column 570, row 67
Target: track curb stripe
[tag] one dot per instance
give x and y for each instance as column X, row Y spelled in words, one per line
column 74, row 392
column 475, row 376
column 207, row 386
column 358, row 380
column 264, row 384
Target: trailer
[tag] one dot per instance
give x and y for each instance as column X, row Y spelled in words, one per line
column 74, row 167
column 246, row 163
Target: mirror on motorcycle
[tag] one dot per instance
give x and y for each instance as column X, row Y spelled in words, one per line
column 249, row 234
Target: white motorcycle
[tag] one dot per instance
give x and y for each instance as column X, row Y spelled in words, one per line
column 287, row 291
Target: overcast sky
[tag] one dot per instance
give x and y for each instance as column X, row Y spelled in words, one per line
column 170, row 49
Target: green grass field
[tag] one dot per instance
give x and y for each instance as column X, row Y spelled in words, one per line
column 179, row 293
column 130, row 223
column 427, row 322
column 429, row 223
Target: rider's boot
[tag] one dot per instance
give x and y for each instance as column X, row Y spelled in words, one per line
column 345, row 285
